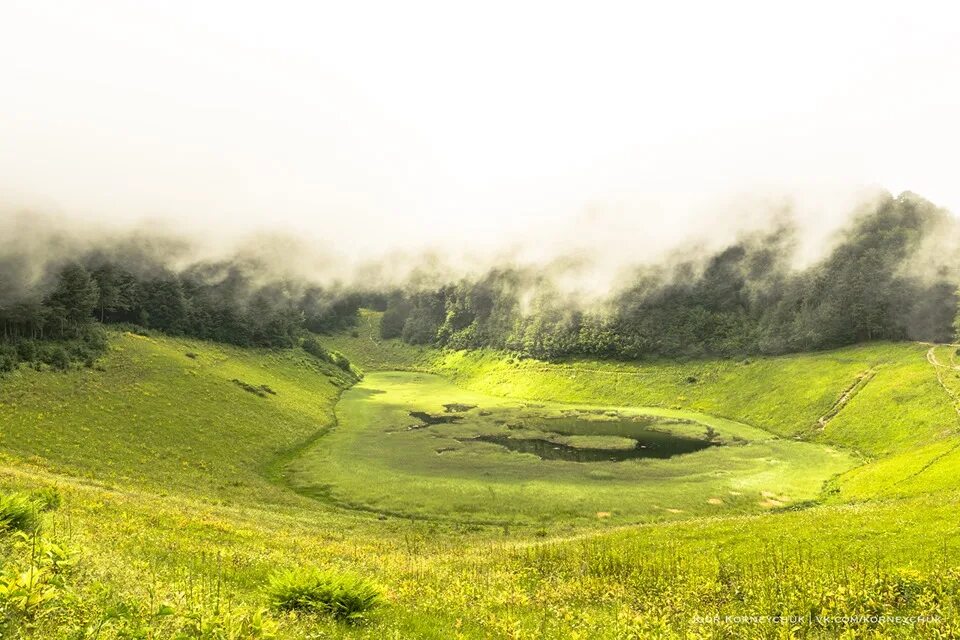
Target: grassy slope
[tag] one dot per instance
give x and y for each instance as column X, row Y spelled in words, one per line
column 911, row 416
column 155, row 417
column 785, row 395
column 166, row 467
column 366, row 350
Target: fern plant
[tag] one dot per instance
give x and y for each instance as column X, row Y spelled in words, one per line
column 345, row 597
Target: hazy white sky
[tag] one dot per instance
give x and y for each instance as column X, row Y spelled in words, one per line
column 381, row 124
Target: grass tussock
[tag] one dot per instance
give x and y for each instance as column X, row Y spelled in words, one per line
column 258, row 390
column 19, row 512
column 345, row 597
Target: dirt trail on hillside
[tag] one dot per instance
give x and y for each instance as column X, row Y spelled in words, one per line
column 847, row 396
column 939, row 368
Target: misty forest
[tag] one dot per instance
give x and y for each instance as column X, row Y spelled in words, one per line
column 222, row 447
column 744, row 299
column 479, row 321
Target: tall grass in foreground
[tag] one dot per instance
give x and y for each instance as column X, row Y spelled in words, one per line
column 780, row 591
column 19, row 512
column 343, row 596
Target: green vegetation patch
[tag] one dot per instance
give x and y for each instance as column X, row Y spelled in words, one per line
column 341, row 596
column 491, row 464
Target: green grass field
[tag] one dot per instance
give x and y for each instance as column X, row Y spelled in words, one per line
column 832, row 493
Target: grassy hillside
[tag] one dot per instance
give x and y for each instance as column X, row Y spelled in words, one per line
column 175, row 512
column 368, row 351
column 172, row 415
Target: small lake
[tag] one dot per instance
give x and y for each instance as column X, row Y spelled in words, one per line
column 650, row 444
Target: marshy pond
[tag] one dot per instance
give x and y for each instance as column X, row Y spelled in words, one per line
column 417, row 445
column 648, row 444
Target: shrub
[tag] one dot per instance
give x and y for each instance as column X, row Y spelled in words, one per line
column 338, row 359
column 419, row 328
column 57, row 357
column 261, row 391
column 95, row 340
column 312, row 346
column 47, row 498
column 8, row 358
column 345, row 597
column 27, row 350
column 393, row 319
column 238, row 624
column 32, row 586
column 18, row 512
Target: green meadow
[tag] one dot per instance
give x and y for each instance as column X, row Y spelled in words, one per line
column 379, row 458
column 176, row 482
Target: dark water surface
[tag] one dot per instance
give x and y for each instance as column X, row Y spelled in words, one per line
column 650, row 444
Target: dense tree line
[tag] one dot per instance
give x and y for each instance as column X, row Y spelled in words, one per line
column 745, row 299
column 883, row 278
column 54, row 329
column 222, row 302
column 58, row 320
